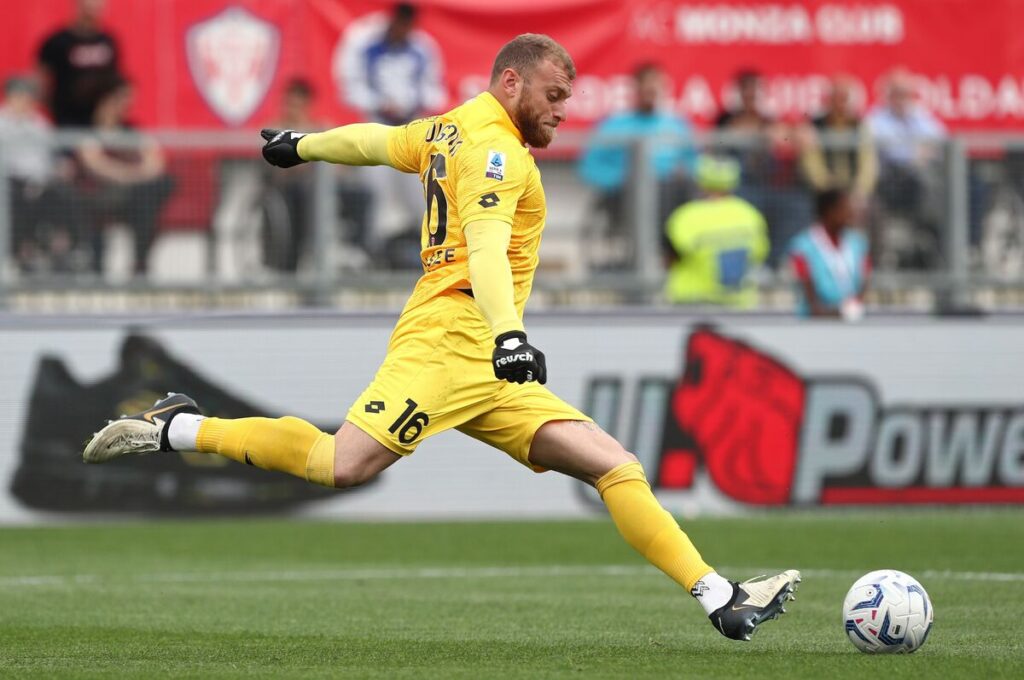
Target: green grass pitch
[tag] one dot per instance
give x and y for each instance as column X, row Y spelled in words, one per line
column 291, row 599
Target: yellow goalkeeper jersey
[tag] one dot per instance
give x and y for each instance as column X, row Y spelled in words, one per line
column 474, row 166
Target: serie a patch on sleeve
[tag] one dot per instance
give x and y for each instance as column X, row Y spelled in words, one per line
column 495, row 165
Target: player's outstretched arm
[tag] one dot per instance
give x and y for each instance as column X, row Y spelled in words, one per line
column 357, row 144
column 490, row 274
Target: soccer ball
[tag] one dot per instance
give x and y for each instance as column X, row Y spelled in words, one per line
column 887, row 612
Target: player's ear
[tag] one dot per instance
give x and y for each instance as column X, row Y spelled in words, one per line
column 511, row 82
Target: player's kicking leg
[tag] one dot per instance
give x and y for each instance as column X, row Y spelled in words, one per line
column 348, row 458
column 583, row 450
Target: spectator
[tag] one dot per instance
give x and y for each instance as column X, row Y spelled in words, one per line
column 606, row 163
column 25, row 140
column 749, row 115
column 39, row 204
column 296, row 186
column 838, row 163
column 903, row 127
column 830, row 261
column 297, row 105
column 123, row 175
column 908, row 139
column 392, row 73
column 717, row 239
column 76, row 61
column 767, row 153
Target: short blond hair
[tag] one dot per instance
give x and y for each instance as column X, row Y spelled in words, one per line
column 524, row 52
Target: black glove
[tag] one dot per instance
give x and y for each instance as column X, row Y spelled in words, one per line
column 282, row 147
column 516, row 360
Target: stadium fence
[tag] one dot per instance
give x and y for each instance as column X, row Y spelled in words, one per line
column 226, row 231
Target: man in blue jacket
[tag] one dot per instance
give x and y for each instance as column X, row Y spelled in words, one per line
column 607, row 163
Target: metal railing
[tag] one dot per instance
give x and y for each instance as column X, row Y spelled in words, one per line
column 231, row 231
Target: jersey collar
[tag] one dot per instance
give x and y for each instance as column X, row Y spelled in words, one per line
column 501, row 114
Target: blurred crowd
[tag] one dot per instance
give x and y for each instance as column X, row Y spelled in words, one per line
column 764, row 194
column 761, row 196
column 65, row 198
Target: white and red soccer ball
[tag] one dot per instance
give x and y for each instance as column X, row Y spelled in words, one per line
column 887, row 612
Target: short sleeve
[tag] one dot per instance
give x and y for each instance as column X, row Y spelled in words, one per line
column 800, row 268
column 489, row 181
column 115, row 52
column 405, row 145
column 762, row 242
column 677, row 230
column 48, row 52
column 865, row 248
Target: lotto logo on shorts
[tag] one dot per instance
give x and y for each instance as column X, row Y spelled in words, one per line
column 495, row 165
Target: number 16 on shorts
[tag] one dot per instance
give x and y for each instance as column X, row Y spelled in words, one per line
column 410, row 424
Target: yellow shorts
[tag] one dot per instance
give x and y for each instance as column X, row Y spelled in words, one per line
column 437, row 375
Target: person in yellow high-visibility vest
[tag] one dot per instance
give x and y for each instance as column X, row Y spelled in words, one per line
column 717, row 241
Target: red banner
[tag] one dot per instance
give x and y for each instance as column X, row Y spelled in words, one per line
column 213, row 63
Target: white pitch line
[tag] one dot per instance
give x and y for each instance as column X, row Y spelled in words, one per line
column 386, row 573
column 365, row 574
column 393, row 573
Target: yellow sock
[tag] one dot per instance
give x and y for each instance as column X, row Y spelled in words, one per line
column 284, row 444
column 648, row 527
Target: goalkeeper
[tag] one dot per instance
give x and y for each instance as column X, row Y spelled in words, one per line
column 459, row 356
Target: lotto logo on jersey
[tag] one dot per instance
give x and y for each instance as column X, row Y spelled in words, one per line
column 495, row 165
